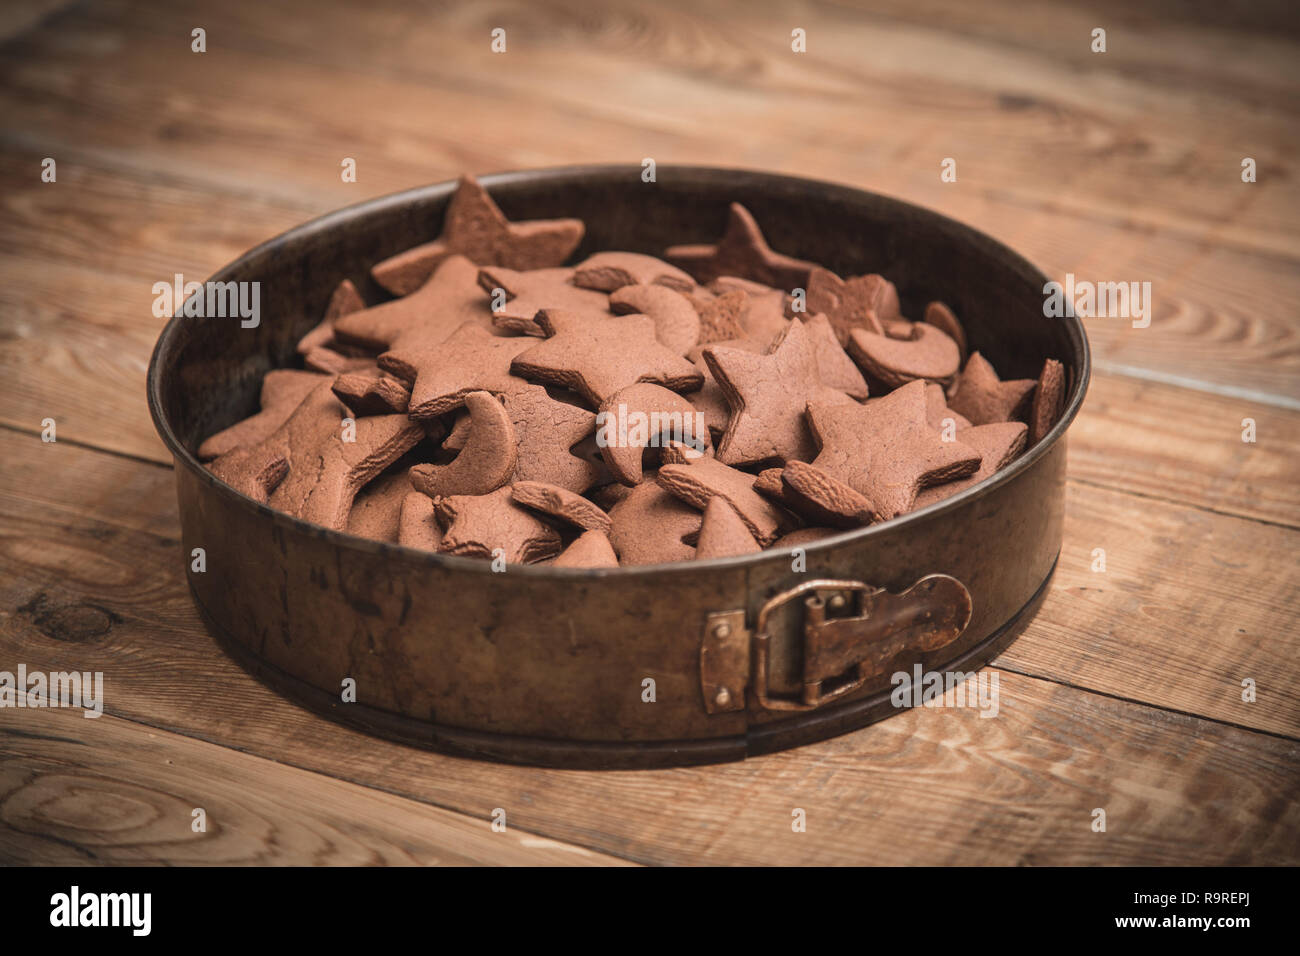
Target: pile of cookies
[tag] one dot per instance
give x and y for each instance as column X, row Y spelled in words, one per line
column 624, row 410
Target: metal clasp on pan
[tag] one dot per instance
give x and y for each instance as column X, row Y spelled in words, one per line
column 850, row 632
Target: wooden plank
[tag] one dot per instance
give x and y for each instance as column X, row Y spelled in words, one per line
column 108, row 216
column 1030, row 65
column 1183, row 445
column 94, row 580
column 1189, row 605
column 18, row 17
column 78, row 262
column 245, row 122
column 79, row 791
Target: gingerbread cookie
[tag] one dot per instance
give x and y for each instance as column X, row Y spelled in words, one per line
column 610, row 271
column 485, row 463
column 494, row 526
column 937, row 412
column 590, row 549
column 943, row 319
column 471, row 360
column 527, row 293
column 344, row 300
column 821, row 498
column 720, row 316
column 546, row 432
column 804, row 536
column 376, row 510
column 723, row 534
column 596, row 359
column 417, row 524
column 677, row 323
column 698, row 480
column 885, row 450
column 1049, row 401
column 742, row 251
column 314, row 464
column 475, row 227
column 372, row 392
column 650, row 526
column 450, row 298
column 641, row 418
column 838, row 370
column 767, row 395
column 984, row 398
column 862, row 302
column 283, row 390
column 927, row 354
column 998, row 445
column 561, row 503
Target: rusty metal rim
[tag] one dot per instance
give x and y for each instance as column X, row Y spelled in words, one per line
column 722, row 177
column 760, row 739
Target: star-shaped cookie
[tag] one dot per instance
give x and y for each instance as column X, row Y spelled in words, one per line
column 309, row 468
column 886, row 450
column 696, row 481
column 446, row 301
column 479, row 525
column 475, row 227
column 344, row 300
column 743, row 252
column 721, row 316
column 650, row 526
column 998, row 445
column 527, row 293
column 768, row 395
column 470, row 360
column 597, row 357
column 283, row 390
column 723, row 534
column 590, row 549
column 860, row 302
column 984, row 398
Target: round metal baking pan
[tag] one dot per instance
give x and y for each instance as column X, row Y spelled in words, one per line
column 602, row 668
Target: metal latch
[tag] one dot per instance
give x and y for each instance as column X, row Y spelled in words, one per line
column 848, row 634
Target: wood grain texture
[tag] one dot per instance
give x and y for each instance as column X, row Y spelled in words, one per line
column 62, row 803
column 275, row 104
column 1190, row 605
column 1184, row 445
column 95, row 582
column 1124, row 693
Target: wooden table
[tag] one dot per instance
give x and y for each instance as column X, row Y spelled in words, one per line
column 1126, row 692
